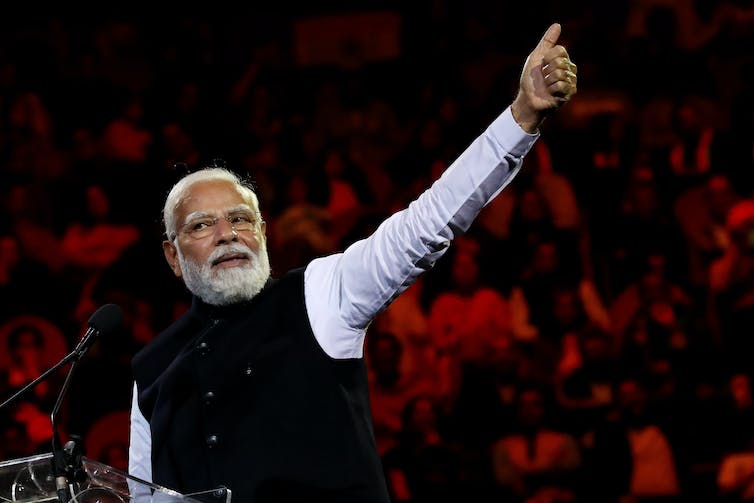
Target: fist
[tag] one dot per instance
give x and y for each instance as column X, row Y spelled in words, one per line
column 548, row 81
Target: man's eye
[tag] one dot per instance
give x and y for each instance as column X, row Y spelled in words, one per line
column 241, row 219
column 197, row 226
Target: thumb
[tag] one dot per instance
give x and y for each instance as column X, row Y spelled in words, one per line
column 549, row 39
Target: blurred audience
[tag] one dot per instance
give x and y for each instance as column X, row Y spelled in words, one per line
column 588, row 339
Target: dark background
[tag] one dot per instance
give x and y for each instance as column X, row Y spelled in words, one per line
column 631, row 186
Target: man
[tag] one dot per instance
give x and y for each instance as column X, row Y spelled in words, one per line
column 261, row 387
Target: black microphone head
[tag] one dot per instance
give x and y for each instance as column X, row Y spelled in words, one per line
column 106, row 319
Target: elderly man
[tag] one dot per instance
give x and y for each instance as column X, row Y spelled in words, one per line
column 261, row 387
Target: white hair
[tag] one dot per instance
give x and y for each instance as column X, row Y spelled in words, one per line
column 178, row 193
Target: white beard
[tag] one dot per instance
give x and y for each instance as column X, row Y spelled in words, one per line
column 223, row 286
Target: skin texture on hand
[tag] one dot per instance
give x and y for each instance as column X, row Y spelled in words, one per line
column 548, row 81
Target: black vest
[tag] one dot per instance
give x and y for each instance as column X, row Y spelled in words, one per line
column 244, row 397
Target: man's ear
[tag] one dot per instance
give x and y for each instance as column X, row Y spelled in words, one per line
column 263, row 228
column 171, row 255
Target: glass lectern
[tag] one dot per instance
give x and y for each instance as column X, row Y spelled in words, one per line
column 30, row 480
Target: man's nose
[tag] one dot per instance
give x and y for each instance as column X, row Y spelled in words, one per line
column 224, row 232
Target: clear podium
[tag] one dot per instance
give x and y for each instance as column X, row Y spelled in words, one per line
column 30, row 480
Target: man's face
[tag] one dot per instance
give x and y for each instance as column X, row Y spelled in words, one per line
column 225, row 264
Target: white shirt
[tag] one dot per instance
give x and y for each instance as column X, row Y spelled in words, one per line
column 345, row 291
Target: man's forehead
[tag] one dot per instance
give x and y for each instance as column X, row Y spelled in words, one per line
column 211, row 197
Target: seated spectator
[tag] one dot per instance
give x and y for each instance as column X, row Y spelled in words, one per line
column 30, row 135
column 645, row 225
column 701, row 210
column 543, row 202
column 466, row 319
column 390, row 389
column 106, row 440
column 536, row 459
column 633, row 455
column 551, row 299
column 406, row 319
column 586, row 377
column 738, row 410
column 178, row 145
column 652, row 301
column 125, row 139
column 32, row 346
column 15, row 441
column 735, row 478
column 95, row 242
column 347, row 194
column 483, row 408
column 30, row 215
column 704, row 428
column 423, row 466
column 530, row 224
column 731, row 282
column 302, row 231
column 690, row 156
column 10, row 278
column 20, row 277
column 556, row 190
column 9, row 259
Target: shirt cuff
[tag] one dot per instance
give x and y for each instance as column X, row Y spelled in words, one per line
column 510, row 136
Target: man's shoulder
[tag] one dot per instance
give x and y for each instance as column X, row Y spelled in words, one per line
column 291, row 275
column 165, row 344
column 177, row 327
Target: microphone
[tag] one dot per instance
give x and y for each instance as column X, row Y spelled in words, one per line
column 104, row 321
column 66, row 467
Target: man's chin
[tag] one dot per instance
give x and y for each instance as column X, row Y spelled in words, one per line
column 224, row 294
column 230, row 267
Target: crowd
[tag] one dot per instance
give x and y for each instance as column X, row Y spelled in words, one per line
column 591, row 337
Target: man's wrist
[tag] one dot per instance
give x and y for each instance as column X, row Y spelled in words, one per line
column 526, row 117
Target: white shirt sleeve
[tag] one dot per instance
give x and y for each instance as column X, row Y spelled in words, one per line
column 139, row 451
column 344, row 292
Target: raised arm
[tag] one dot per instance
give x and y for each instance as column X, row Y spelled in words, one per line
column 345, row 291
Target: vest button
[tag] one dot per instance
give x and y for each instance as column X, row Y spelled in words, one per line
column 209, row 397
column 212, row 441
column 203, row 348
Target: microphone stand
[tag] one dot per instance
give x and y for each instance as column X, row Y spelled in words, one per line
column 65, row 466
column 64, row 469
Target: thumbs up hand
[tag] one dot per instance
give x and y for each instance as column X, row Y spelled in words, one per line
column 548, row 81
